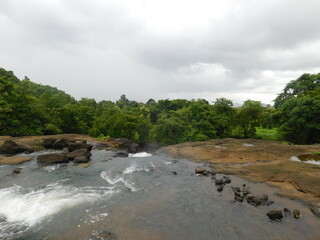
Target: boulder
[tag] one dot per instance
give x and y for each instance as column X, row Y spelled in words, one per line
column 48, row 143
column 226, row 180
column 220, row 188
column 53, row 158
column 11, row 147
column 13, row 160
column 219, row 182
column 275, row 215
column 121, row 153
column 134, row 148
column 80, row 145
column 259, row 200
column 79, row 153
column 60, row 144
column 238, row 198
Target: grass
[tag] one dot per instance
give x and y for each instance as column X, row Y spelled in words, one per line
column 266, row 134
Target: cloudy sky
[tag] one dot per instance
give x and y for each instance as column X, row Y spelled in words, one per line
column 239, row 49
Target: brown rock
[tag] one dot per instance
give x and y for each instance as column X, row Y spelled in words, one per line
column 13, row 160
column 79, row 153
column 11, row 147
column 53, row 158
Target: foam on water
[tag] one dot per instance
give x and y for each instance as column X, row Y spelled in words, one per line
column 296, row 159
column 118, row 179
column 135, row 168
column 140, row 154
column 29, row 207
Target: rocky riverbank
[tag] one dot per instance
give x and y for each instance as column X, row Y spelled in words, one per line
column 270, row 162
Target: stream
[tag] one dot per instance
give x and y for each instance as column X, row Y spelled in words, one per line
column 141, row 197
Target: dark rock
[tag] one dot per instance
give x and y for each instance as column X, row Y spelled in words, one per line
column 122, row 143
column 287, row 212
column 220, row 188
column 238, row 198
column 213, row 178
column 134, row 148
column 226, row 180
column 79, row 153
column 48, row 143
column 11, row 147
column 296, row 214
column 60, row 144
column 121, row 153
column 104, row 235
column 53, row 158
column 219, row 182
column 80, row 145
column 245, row 191
column 174, row 172
column 16, row 170
column 275, row 214
column 259, row 200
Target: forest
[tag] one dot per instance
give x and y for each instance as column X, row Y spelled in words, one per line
column 28, row 108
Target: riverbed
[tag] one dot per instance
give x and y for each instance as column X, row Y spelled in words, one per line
column 141, row 197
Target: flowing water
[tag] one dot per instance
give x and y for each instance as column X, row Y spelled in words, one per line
column 137, row 198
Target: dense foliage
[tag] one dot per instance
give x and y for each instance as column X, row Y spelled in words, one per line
column 27, row 108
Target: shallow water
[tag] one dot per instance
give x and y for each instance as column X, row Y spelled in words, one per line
column 137, row 198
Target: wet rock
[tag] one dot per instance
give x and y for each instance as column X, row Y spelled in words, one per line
column 219, row 182
column 79, row 153
column 220, row 188
column 213, row 178
column 60, row 144
column 245, row 191
column 16, row 170
column 79, row 145
column 121, row 153
column 258, row 200
column 286, row 212
column 105, row 235
column 134, row 148
column 11, row 147
column 296, row 214
column 226, row 180
column 83, row 165
column 174, row 172
column 48, row 143
column 238, row 198
column 275, row 215
column 81, row 159
column 53, row 158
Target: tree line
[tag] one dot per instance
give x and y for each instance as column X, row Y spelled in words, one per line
column 27, row 108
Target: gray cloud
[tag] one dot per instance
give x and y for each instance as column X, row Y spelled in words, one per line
column 102, row 49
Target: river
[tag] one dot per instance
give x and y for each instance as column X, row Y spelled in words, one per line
column 137, row 198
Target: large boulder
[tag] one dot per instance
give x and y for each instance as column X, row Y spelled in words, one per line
column 60, row 144
column 11, row 147
column 79, row 145
column 48, row 143
column 79, row 154
column 53, row 158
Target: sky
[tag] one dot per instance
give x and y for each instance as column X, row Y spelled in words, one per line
column 168, row 49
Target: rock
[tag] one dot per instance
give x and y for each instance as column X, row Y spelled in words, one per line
column 174, row 172
column 275, row 215
column 16, row 170
column 220, row 188
column 11, row 147
column 287, row 212
column 238, row 198
column 134, row 148
column 105, row 235
column 226, row 180
column 53, row 158
column 199, row 170
column 213, row 178
column 83, row 165
column 81, row 159
column 121, row 153
column 245, row 191
column 79, row 153
column 259, row 200
column 48, row 143
column 296, row 214
column 219, row 182
column 122, row 143
column 60, row 144
column 82, row 145
column 13, row 160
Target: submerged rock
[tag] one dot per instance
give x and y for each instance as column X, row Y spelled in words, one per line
column 275, row 215
column 16, row 170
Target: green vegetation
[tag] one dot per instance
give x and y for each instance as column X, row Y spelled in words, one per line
column 27, row 108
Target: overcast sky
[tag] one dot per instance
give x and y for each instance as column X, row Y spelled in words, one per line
column 238, row 49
